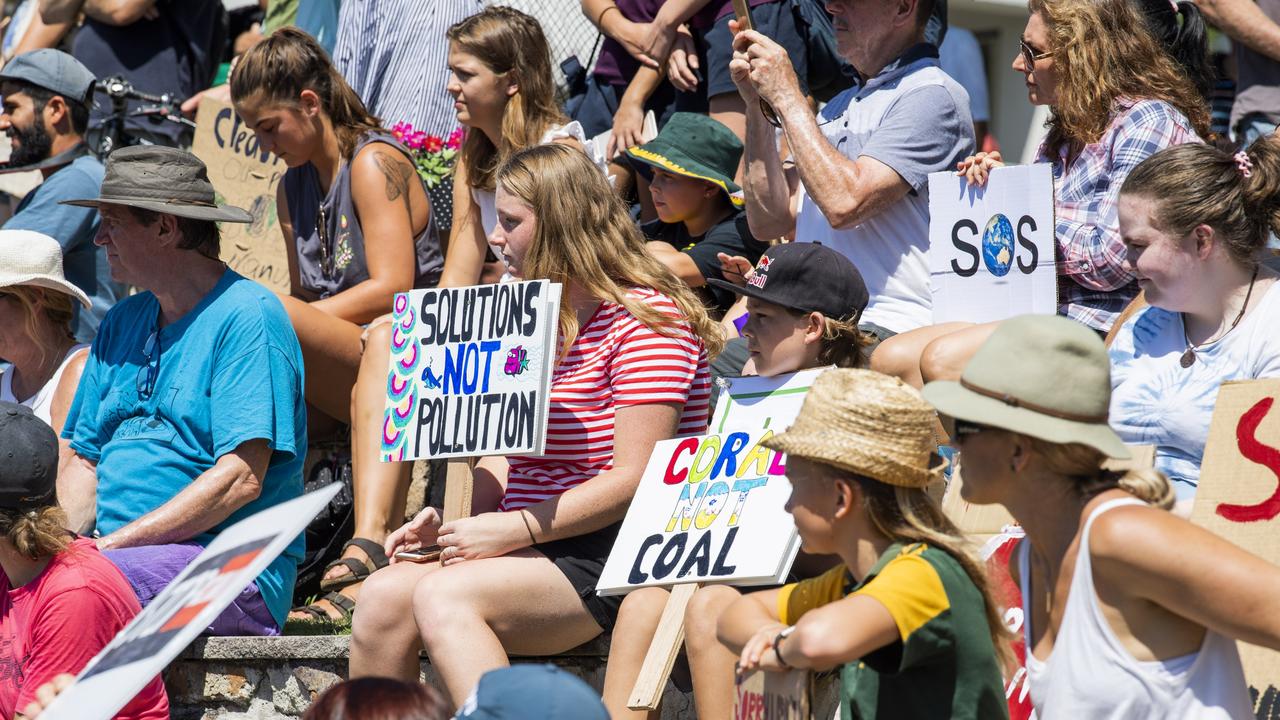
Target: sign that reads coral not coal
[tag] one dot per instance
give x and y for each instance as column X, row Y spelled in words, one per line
column 991, row 248
column 471, row 371
column 708, row 509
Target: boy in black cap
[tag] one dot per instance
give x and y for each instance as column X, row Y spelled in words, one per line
column 61, row 601
column 690, row 168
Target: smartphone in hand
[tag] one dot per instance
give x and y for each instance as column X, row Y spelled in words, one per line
column 421, row 555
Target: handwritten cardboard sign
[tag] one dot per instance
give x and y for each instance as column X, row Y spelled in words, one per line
column 244, row 175
column 1239, row 499
column 471, row 371
column 708, row 509
column 762, row 403
column 991, row 248
column 773, row 696
column 184, row 609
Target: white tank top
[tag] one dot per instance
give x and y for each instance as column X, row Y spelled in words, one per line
column 42, row 402
column 1090, row 676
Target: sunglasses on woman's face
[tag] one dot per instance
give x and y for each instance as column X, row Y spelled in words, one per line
column 1030, row 56
column 963, row 429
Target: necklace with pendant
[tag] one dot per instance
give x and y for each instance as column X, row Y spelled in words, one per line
column 1189, row 355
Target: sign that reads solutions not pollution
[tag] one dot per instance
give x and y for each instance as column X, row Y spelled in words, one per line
column 471, row 371
column 708, row 509
column 991, row 248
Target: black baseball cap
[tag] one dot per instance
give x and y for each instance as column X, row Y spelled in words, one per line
column 808, row 277
column 28, row 458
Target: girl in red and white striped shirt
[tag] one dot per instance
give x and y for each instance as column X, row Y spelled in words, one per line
column 519, row 576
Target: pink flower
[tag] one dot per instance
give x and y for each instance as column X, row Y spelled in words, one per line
column 401, row 129
column 455, row 138
column 415, row 140
column 433, row 144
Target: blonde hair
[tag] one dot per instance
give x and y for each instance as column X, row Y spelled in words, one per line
column 1095, row 69
column 1197, row 184
column 585, row 236
column 288, row 61
column 57, row 308
column 1083, row 465
column 509, row 43
column 36, row 533
column 843, row 344
column 910, row 515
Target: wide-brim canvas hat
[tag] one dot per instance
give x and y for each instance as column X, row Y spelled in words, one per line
column 695, row 146
column 1043, row 376
column 31, row 258
column 866, row 423
column 164, row 180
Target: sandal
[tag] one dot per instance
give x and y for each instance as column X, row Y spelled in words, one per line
column 342, row 603
column 359, row 571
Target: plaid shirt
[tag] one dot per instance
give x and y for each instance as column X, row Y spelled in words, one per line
column 1094, row 281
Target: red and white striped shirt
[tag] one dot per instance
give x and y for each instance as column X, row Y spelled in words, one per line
column 615, row 361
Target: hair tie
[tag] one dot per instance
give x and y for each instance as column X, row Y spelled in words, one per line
column 1174, row 4
column 1243, row 164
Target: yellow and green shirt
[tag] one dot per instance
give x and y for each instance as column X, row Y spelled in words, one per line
column 943, row 665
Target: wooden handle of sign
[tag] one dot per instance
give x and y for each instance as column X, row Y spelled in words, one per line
column 457, row 489
column 662, row 651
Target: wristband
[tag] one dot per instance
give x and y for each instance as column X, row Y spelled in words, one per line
column 777, row 644
column 600, row 17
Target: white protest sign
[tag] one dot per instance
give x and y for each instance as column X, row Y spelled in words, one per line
column 991, row 248
column 184, row 609
column 708, row 509
column 471, row 371
column 762, row 403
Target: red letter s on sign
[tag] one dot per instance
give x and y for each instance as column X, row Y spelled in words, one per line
column 1264, row 455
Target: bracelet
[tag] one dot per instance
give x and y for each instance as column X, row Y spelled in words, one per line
column 783, row 634
column 600, row 17
column 532, row 539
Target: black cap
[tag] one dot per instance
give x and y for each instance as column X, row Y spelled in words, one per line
column 28, row 458
column 806, row 276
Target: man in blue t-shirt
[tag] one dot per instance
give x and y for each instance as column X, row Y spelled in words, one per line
column 190, row 412
column 46, row 97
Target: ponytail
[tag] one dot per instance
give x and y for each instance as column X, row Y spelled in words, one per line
column 288, row 61
column 1084, row 465
column 1186, row 41
column 37, row 533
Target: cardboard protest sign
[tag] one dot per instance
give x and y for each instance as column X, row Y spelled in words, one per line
column 244, row 175
column 708, row 509
column 184, row 609
column 773, row 696
column 471, row 371
column 1239, row 499
column 762, row 403
column 991, row 248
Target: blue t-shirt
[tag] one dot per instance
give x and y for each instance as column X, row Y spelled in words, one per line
column 84, row 263
column 230, row 371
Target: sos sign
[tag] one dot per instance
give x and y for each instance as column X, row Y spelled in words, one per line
column 994, row 246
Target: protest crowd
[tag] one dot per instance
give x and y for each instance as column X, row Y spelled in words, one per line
column 726, row 195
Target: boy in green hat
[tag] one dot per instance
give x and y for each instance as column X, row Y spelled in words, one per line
column 690, row 168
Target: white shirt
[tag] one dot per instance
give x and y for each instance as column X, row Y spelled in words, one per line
column 42, row 402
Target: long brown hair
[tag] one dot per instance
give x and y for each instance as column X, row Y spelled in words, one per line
column 585, row 236
column 1198, row 184
column 509, row 43
column 1102, row 52
column 288, row 61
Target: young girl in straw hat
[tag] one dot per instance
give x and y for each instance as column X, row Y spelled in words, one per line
column 908, row 615
column 804, row 311
column 1129, row 610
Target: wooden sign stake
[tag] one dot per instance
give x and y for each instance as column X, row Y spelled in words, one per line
column 662, row 651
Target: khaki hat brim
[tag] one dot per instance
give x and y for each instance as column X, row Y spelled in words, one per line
column 224, row 213
column 953, row 399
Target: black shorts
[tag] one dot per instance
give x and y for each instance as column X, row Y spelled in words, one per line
column 774, row 20
column 581, row 559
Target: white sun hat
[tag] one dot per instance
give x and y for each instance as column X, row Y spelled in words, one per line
column 31, row 258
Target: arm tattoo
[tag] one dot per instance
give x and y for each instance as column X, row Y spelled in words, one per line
column 397, row 175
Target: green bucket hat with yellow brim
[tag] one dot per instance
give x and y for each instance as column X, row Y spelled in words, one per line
column 1043, row 376
column 694, row 146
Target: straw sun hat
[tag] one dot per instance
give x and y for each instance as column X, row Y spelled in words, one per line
column 31, row 258
column 866, row 423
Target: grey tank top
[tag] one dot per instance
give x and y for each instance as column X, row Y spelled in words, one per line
column 331, row 259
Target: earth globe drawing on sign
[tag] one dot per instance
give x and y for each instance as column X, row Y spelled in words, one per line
column 997, row 245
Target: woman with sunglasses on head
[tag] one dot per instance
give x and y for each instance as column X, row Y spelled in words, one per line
column 1195, row 220
column 1130, row 611
column 1115, row 98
